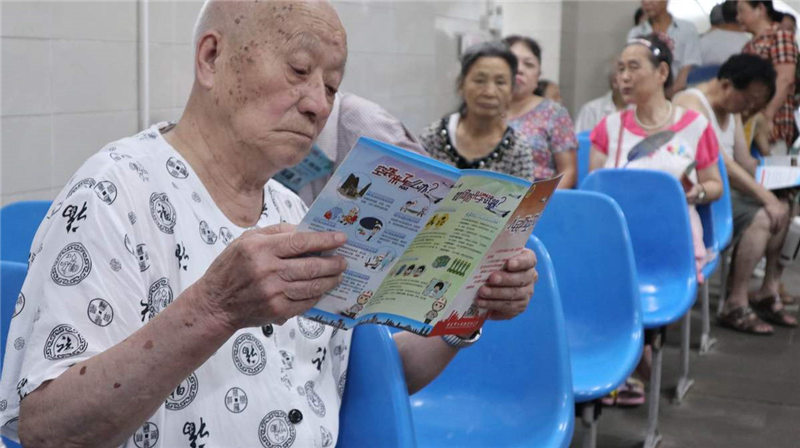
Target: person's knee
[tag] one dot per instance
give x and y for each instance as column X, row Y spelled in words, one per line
column 760, row 223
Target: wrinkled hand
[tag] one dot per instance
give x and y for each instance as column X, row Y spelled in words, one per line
column 269, row 275
column 778, row 213
column 507, row 293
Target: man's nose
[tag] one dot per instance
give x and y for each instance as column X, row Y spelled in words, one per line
column 314, row 100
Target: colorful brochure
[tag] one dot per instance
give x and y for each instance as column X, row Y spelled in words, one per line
column 422, row 237
column 776, row 172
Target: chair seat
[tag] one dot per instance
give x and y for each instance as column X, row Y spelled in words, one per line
column 595, row 373
column 664, row 300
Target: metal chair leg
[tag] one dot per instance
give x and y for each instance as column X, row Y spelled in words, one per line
column 684, row 382
column 706, row 341
column 653, row 437
column 589, row 414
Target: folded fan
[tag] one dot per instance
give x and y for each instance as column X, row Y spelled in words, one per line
column 649, row 145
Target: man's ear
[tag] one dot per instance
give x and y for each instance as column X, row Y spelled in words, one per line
column 207, row 52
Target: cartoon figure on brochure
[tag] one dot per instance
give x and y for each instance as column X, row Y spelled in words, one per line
column 362, row 300
column 381, row 260
column 438, row 305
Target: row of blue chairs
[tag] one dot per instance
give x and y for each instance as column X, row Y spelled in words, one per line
column 596, row 276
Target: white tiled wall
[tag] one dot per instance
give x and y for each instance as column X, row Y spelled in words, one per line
column 69, row 73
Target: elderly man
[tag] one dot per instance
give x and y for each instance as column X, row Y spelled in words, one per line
column 150, row 277
column 760, row 219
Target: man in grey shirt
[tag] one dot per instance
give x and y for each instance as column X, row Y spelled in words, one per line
column 725, row 38
column 685, row 40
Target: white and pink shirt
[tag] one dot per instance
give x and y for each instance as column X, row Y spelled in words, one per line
column 694, row 139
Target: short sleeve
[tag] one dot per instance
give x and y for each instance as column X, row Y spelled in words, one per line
column 707, row 149
column 83, row 288
column 599, row 136
column 562, row 132
column 691, row 47
column 785, row 49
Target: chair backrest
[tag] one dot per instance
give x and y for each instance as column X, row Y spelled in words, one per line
column 702, row 73
column 584, row 154
column 375, row 409
column 655, row 209
column 512, row 388
column 717, row 216
column 590, row 246
column 12, row 275
column 18, row 224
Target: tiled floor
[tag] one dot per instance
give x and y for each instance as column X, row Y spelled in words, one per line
column 746, row 392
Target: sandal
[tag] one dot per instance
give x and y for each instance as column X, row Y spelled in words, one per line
column 744, row 319
column 765, row 308
column 631, row 393
column 787, row 298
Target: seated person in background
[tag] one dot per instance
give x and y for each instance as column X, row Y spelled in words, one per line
column 683, row 36
column 477, row 136
column 111, row 345
column 760, row 219
column 352, row 117
column 592, row 112
column 541, row 122
column 548, row 89
column 726, row 36
column 644, row 74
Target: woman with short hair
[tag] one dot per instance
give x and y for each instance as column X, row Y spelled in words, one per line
column 477, row 136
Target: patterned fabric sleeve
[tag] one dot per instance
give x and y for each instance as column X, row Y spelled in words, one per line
column 562, row 132
column 785, row 49
column 428, row 138
column 83, row 288
column 599, row 136
column 707, row 149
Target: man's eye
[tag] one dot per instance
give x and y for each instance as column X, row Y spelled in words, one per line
column 302, row 71
column 331, row 90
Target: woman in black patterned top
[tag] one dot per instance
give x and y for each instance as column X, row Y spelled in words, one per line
column 477, row 136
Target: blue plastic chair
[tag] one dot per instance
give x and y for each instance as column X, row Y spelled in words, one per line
column 12, row 275
column 584, row 153
column 593, row 259
column 375, row 409
column 512, row 388
column 18, row 224
column 702, row 73
column 655, row 209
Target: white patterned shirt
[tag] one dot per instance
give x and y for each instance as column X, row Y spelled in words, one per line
column 132, row 230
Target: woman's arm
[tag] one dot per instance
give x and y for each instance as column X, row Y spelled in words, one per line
column 566, row 164
column 783, row 85
column 597, row 159
column 707, row 179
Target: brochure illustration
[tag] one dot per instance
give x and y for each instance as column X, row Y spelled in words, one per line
column 423, row 237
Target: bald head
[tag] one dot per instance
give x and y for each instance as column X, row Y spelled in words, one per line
column 242, row 20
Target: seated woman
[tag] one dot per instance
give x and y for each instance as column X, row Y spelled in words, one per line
column 643, row 74
column 543, row 123
column 477, row 136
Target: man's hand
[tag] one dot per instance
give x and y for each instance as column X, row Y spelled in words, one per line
column 269, row 275
column 507, row 292
column 778, row 212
